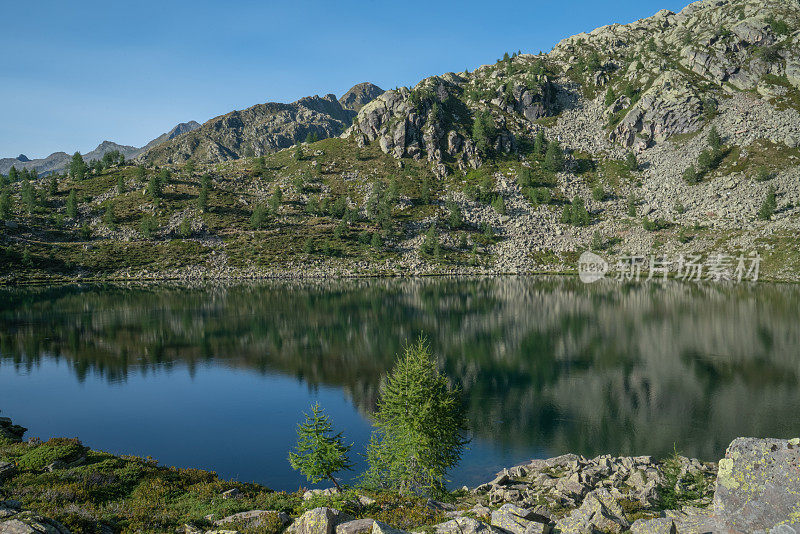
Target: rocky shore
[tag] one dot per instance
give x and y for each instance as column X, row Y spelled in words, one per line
column 754, row 488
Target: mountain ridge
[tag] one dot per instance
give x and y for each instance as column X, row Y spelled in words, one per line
column 59, row 161
column 264, row 128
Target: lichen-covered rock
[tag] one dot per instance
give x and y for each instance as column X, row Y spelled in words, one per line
column 660, row 525
column 599, row 511
column 520, row 520
column 383, row 528
column 758, row 485
column 465, row 525
column 356, row 526
column 318, row 521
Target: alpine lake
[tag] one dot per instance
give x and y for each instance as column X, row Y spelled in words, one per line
column 217, row 377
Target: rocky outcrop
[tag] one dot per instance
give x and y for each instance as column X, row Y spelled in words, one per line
column 180, row 129
column 10, row 431
column 671, row 106
column 758, row 485
column 598, row 512
column 517, row 520
column 566, row 481
column 360, row 95
column 434, row 119
column 25, row 522
column 264, row 128
column 255, row 131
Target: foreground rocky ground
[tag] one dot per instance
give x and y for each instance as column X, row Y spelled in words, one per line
column 60, row 487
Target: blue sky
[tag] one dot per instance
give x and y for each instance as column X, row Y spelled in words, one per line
column 75, row 73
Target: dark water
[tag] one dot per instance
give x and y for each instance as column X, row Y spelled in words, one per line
column 218, row 377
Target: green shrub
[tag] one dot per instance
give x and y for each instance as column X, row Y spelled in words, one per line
column 691, row 176
column 454, row 217
column 376, row 242
column 56, row 449
column 258, row 219
column 72, row 205
column 710, row 108
column 654, row 225
column 148, row 226
column 632, row 202
column 430, row 242
column 631, row 162
column 185, row 229
column 598, row 243
column 598, row 193
column 778, row 27
column 499, row 205
column 610, row 97
column 714, row 139
column 763, row 174
column 538, row 195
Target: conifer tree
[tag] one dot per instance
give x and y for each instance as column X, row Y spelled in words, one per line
column 6, row 204
column 420, row 426
column 554, row 157
column 769, row 205
column 72, row 205
column 77, row 167
column 319, row 454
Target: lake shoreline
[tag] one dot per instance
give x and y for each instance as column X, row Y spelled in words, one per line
column 13, row 281
column 568, row 493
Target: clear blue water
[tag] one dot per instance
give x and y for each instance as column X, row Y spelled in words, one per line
column 217, row 378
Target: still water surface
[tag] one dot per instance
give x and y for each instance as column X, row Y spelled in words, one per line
column 217, row 378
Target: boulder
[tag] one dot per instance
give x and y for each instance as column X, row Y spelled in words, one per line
column 254, row 518
column 599, row 511
column 321, row 520
column 230, row 494
column 383, row 528
column 9, row 508
column 319, row 493
column 758, row 484
column 357, row 526
column 519, row 520
column 30, row 523
column 465, row 525
column 660, row 525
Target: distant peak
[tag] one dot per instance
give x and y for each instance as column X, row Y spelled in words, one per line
column 183, row 128
column 359, row 95
column 23, row 158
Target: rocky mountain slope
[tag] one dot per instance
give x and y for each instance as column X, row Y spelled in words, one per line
column 265, row 128
column 59, row 161
column 674, row 135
